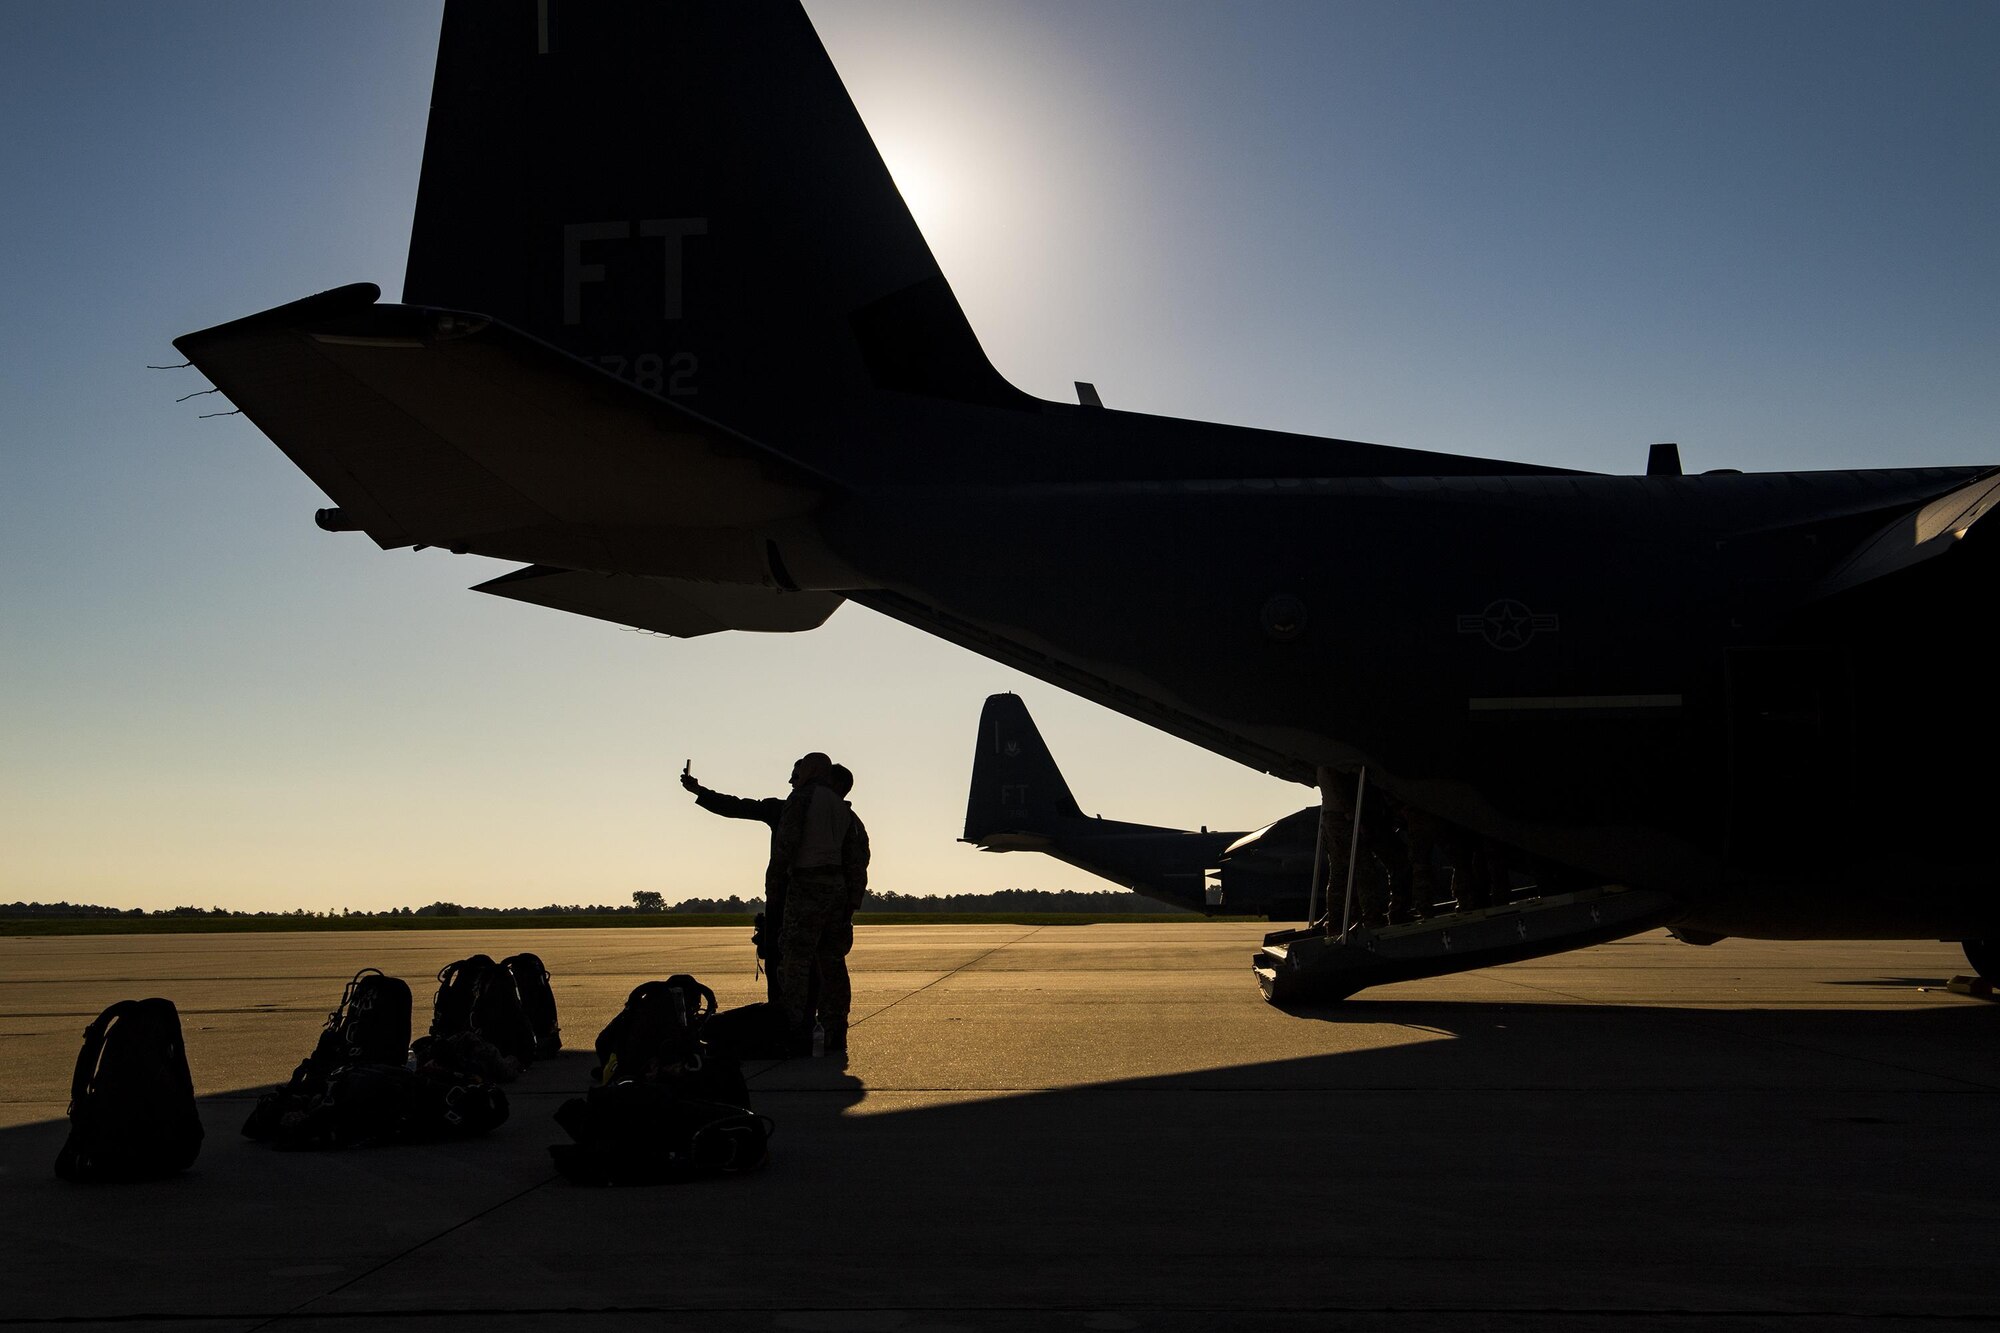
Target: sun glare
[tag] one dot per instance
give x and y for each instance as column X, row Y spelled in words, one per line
column 928, row 181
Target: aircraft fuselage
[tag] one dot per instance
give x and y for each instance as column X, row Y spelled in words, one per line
column 1622, row 674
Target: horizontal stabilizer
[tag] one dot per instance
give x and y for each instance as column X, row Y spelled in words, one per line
column 678, row 607
column 1017, row 842
column 446, row 429
column 1916, row 536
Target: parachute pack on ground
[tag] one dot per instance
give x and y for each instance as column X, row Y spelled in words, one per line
column 359, row 1086
column 665, row 1105
column 131, row 1100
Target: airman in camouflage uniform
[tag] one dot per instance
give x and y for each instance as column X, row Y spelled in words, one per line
column 818, row 848
column 769, row 811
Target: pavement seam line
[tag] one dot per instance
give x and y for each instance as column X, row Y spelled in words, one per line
column 939, row 980
column 947, row 976
column 403, row 1254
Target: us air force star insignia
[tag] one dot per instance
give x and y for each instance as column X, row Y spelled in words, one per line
column 1508, row 625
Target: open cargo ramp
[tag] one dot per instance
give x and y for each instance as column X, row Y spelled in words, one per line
column 1320, row 963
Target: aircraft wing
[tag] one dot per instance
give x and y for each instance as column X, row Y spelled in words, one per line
column 680, row 607
column 431, row 427
column 1913, row 537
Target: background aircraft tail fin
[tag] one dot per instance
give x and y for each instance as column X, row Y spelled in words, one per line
column 1016, row 786
column 682, row 192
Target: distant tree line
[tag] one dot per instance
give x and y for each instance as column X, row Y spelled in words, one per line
column 435, row 909
column 691, row 905
column 1103, row 902
column 1096, row 902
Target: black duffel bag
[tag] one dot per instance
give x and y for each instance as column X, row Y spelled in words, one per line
column 366, row 1104
column 751, row 1032
column 647, row 1134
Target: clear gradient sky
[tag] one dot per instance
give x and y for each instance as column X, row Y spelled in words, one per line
column 1555, row 232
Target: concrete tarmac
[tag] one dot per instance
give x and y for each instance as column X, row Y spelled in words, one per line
column 1099, row 1127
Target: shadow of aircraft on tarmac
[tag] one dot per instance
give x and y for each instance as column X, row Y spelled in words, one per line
column 1559, row 1164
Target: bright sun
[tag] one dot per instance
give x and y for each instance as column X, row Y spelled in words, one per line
column 928, row 180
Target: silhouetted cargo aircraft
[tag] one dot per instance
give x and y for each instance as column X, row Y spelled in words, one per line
column 1020, row 803
column 670, row 338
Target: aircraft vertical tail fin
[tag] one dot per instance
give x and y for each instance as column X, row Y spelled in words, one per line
column 1016, row 786
column 681, row 192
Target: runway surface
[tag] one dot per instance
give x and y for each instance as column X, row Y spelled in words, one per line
column 1099, row 1127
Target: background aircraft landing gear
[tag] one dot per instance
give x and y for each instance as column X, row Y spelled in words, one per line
column 1984, row 955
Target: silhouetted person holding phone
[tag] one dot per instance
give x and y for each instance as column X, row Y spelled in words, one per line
column 769, row 811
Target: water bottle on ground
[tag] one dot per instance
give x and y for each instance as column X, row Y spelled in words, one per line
column 819, row 1039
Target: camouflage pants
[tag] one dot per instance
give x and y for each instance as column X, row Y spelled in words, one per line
column 819, row 930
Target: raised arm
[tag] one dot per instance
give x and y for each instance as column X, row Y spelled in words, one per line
column 765, row 811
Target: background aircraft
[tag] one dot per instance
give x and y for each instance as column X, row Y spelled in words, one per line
column 726, row 386
column 1019, row 802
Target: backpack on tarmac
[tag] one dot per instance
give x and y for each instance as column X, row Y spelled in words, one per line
column 538, row 1002
column 357, row 1105
column 666, row 1106
column 370, row 1025
column 365, row 1104
column 458, row 987
column 131, row 1100
column 499, row 1016
column 467, row 1055
column 453, row 1106
column 646, row 1134
column 657, row 1031
column 478, row 995
column 373, row 1020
